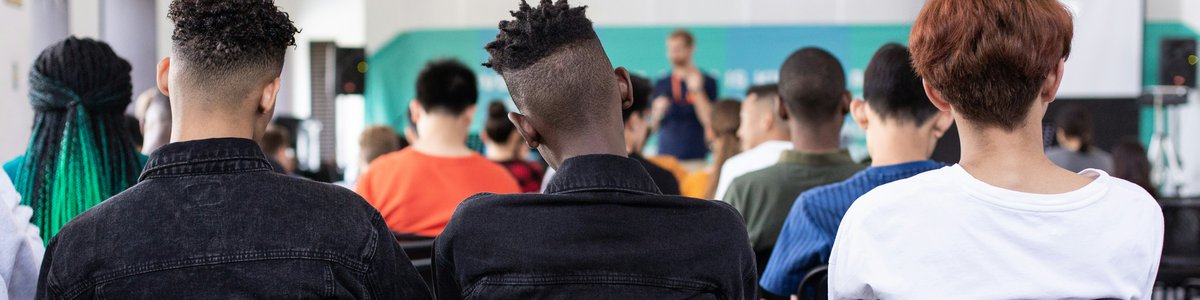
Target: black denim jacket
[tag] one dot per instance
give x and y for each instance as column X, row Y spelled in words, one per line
column 209, row 220
column 602, row 231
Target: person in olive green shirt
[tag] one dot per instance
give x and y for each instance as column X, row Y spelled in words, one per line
column 814, row 101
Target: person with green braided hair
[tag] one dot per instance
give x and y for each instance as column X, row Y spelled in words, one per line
column 80, row 152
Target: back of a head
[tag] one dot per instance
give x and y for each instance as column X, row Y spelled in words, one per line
column 990, row 59
column 764, row 91
column 557, row 72
column 1130, row 163
column 498, row 128
column 227, row 49
column 375, row 141
column 812, row 85
column 274, row 139
column 446, row 86
column 893, row 89
column 1075, row 121
column 81, row 151
column 726, row 116
column 641, row 97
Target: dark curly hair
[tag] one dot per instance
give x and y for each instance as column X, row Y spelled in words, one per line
column 536, row 33
column 231, row 41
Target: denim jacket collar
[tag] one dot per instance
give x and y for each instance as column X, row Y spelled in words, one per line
column 209, row 156
column 601, row 172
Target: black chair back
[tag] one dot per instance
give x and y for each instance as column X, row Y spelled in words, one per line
column 815, row 284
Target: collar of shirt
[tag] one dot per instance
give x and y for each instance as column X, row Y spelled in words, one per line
column 601, row 172
column 815, row 159
column 209, row 156
column 908, row 168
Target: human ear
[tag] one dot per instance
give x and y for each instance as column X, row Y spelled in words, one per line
column 625, row 86
column 1053, row 80
column 858, row 112
column 164, row 76
column 533, row 139
column 935, row 97
column 270, row 94
column 941, row 123
column 781, row 109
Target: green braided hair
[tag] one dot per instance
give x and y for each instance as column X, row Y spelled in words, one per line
column 80, row 153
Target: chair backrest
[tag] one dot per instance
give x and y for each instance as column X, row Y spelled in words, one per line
column 815, row 284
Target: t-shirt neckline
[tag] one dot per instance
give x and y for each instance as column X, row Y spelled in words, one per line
column 1007, row 198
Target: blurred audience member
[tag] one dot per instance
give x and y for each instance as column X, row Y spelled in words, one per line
column 417, row 189
column 813, row 101
column 505, row 147
column 1006, row 222
column 80, row 152
column 723, row 140
column 209, row 219
column 275, row 145
column 764, row 135
column 637, row 130
column 1075, row 151
column 603, row 230
column 373, row 142
column 154, row 114
column 682, row 101
column 1130, row 163
column 902, row 128
column 21, row 246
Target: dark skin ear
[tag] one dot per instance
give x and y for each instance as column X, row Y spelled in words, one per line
column 625, row 86
column 533, row 139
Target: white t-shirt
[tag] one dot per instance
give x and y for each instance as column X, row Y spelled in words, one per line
column 21, row 247
column 761, row 156
column 945, row 235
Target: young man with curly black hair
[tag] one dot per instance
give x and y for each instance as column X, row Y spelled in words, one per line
column 602, row 229
column 208, row 218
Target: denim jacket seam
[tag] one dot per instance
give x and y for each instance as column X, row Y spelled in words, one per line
column 189, row 174
column 91, row 282
column 602, row 188
column 369, row 258
column 160, row 167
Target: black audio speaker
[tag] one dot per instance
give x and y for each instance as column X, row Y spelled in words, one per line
column 1177, row 62
column 350, row 70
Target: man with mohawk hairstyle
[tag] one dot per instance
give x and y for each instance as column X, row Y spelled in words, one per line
column 603, row 229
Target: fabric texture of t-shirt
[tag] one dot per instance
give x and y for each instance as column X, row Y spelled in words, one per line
column 944, row 234
column 764, row 197
column 811, row 225
column 416, row 193
column 680, row 133
column 761, row 156
column 1077, row 162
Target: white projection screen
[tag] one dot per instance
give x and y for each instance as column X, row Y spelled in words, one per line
column 1106, row 53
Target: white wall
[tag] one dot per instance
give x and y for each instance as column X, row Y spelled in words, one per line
column 386, row 18
column 16, row 115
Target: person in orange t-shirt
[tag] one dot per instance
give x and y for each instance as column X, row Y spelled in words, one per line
column 417, row 189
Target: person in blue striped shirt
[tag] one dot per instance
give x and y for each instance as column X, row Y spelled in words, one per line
column 902, row 127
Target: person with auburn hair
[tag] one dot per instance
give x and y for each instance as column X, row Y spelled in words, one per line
column 1006, row 222
column 602, row 230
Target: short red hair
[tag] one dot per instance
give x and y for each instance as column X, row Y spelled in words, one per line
column 989, row 58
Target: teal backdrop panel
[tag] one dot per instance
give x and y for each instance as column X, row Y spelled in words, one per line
column 737, row 57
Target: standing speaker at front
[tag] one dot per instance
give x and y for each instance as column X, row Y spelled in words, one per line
column 1177, row 62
